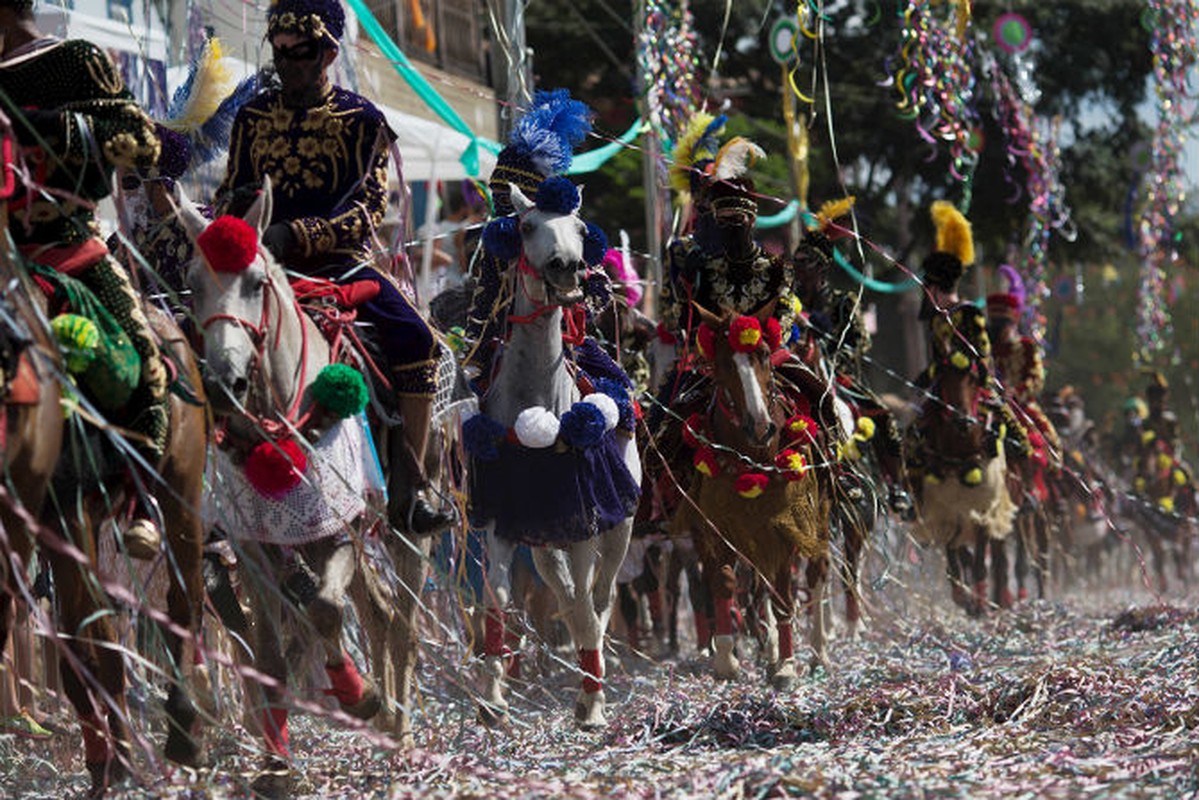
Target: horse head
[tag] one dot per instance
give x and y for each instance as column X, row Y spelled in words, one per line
column 231, row 278
column 555, row 246
column 740, row 350
column 959, row 380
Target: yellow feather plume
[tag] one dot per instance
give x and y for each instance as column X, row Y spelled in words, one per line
column 688, row 150
column 832, row 210
column 953, row 232
column 212, row 84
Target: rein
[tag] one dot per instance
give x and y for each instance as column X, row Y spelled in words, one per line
column 281, row 427
column 575, row 316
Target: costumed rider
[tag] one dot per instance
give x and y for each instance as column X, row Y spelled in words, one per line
column 325, row 150
column 1162, row 474
column 540, row 146
column 194, row 132
column 1020, row 370
column 958, row 338
column 835, row 332
column 75, row 122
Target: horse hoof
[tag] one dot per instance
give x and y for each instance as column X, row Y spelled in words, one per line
column 493, row 715
column 273, row 782
column 589, row 711
column 105, row 775
column 368, row 706
column 785, row 677
column 182, row 749
column 1005, row 599
column 724, row 662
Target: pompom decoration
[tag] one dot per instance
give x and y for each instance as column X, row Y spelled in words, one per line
column 959, row 360
column 792, row 464
column 558, row 195
column 865, row 429
column 501, row 238
column 481, row 436
column 619, row 395
column 607, row 406
column 773, row 333
column 595, row 245
column 745, row 334
column 78, row 337
column 973, row 476
column 341, row 390
column 692, row 427
column 705, row 339
column 536, row 427
column 583, row 425
column 802, row 429
column 664, row 335
column 1166, row 504
column 750, row 485
column 229, row 244
column 705, row 461
column 275, row 468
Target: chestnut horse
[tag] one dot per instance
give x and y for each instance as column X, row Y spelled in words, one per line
column 756, row 496
column 959, row 469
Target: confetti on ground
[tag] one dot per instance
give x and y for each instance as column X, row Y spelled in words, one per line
column 1094, row 694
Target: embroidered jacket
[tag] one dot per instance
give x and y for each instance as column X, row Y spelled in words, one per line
column 75, row 122
column 328, row 170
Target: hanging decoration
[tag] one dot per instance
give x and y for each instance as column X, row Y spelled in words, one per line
column 1173, row 29
column 1012, row 33
column 667, row 53
column 935, row 80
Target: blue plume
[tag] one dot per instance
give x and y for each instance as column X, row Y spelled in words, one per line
column 548, row 133
column 214, row 134
column 709, row 140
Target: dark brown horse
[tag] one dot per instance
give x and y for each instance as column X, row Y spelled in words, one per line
column 748, row 501
column 957, row 463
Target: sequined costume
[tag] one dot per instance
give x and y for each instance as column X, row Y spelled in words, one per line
column 328, row 170
column 75, row 122
column 1021, row 372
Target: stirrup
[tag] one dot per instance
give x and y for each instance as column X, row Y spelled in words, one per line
column 142, row 539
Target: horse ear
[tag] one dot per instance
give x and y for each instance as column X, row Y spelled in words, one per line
column 259, row 214
column 767, row 311
column 519, row 201
column 706, row 316
column 193, row 221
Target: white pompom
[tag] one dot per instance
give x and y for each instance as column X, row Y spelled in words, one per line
column 536, row 427
column 608, row 406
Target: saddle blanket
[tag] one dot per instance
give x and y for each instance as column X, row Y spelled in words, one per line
column 342, row 483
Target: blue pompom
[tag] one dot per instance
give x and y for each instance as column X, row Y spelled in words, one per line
column 481, row 436
column 557, row 196
column 501, row 238
column 619, row 393
column 582, row 426
column 595, row 245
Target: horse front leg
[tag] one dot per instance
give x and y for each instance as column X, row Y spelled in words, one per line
column 817, row 578
column 855, row 540
column 720, row 578
column 1001, row 593
column 955, row 559
column 410, row 559
column 497, row 595
column 979, row 571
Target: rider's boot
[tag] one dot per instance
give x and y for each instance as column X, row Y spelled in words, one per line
column 418, row 515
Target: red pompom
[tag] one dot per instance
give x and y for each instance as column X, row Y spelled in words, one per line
column 229, row 244
column 275, row 468
column 745, row 334
column 664, row 334
column 774, row 333
column 750, row 485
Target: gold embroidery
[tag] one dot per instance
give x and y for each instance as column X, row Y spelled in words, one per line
column 308, row 147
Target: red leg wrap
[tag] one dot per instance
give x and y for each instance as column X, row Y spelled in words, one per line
column 786, row 642
column 274, row 728
column 95, row 743
column 589, row 662
column 724, row 615
column 493, row 632
column 347, row 683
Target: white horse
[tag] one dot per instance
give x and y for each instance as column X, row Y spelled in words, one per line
column 534, row 382
column 263, row 353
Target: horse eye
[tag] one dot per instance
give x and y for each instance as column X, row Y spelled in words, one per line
column 526, row 227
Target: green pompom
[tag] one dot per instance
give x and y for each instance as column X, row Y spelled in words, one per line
column 341, row 390
column 78, row 337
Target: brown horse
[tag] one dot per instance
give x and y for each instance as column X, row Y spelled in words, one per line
column 748, row 501
column 958, row 468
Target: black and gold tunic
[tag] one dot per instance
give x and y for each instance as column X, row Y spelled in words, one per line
column 75, row 121
column 328, row 170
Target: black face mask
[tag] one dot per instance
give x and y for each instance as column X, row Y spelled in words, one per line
column 304, row 51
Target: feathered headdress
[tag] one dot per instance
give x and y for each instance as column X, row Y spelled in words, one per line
column 955, row 247
column 815, row 250
column 1007, row 302
column 698, row 145
column 542, row 143
column 735, row 158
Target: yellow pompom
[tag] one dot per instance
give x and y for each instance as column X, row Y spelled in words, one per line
column 796, row 306
column 1164, row 461
column 1147, row 437
column 973, row 476
column 78, row 337
column 865, row 429
column 749, row 337
column 932, row 479
column 1166, row 504
column 959, row 360
column 1180, row 478
column 1139, row 484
